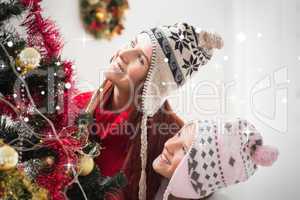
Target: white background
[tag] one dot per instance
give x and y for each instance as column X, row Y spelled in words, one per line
column 261, row 38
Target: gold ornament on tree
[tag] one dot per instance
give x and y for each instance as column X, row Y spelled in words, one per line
column 28, row 59
column 8, row 157
column 14, row 185
column 86, row 165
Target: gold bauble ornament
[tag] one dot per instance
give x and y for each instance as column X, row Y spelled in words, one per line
column 8, row 157
column 86, row 165
column 29, row 59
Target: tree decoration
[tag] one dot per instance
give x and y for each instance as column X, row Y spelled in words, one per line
column 34, row 167
column 28, row 59
column 8, row 157
column 13, row 132
column 14, row 185
column 96, row 186
column 37, row 117
column 9, row 9
column 86, row 165
column 103, row 18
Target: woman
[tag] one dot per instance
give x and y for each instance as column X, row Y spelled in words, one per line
column 133, row 115
column 202, row 158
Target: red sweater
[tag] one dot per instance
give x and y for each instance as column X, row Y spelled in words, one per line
column 113, row 140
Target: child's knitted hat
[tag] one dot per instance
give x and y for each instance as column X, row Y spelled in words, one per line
column 177, row 52
column 219, row 157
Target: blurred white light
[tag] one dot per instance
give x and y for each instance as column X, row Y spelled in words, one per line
column 225, row 57
column 259, row 35
column 241, row 37
column 284, row 100
column 10, row 43
column 299, row 58
column 236, row 76
column 69, row 165
column 259, row 69
column 68, row 85
column 84, row 39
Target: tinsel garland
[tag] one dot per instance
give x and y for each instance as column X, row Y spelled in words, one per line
column 14, row 185
column 42, row 33
column 14, row 131
column 61, row 141
column 64, row 150
column 60, row 177
column 9, row 9
column 44, row 36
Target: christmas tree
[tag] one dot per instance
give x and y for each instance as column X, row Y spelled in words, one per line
column 44, row 154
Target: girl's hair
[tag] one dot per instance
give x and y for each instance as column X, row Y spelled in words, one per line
column 163, row 125
column 157, row 136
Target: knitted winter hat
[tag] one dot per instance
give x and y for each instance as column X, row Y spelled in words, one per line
column 219, row 157
column 177, row 52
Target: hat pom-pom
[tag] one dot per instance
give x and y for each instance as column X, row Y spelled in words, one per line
column 265, row 155
column 211, row 40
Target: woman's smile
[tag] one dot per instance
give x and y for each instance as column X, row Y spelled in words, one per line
column 164, row 159
column 116, row 67
column 129, row 65
column 174, row 151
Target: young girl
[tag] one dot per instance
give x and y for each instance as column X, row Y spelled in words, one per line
column 205, row 156
column 131, row 108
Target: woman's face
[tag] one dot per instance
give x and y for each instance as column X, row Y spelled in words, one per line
column 174, row 150
column 130, row 64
